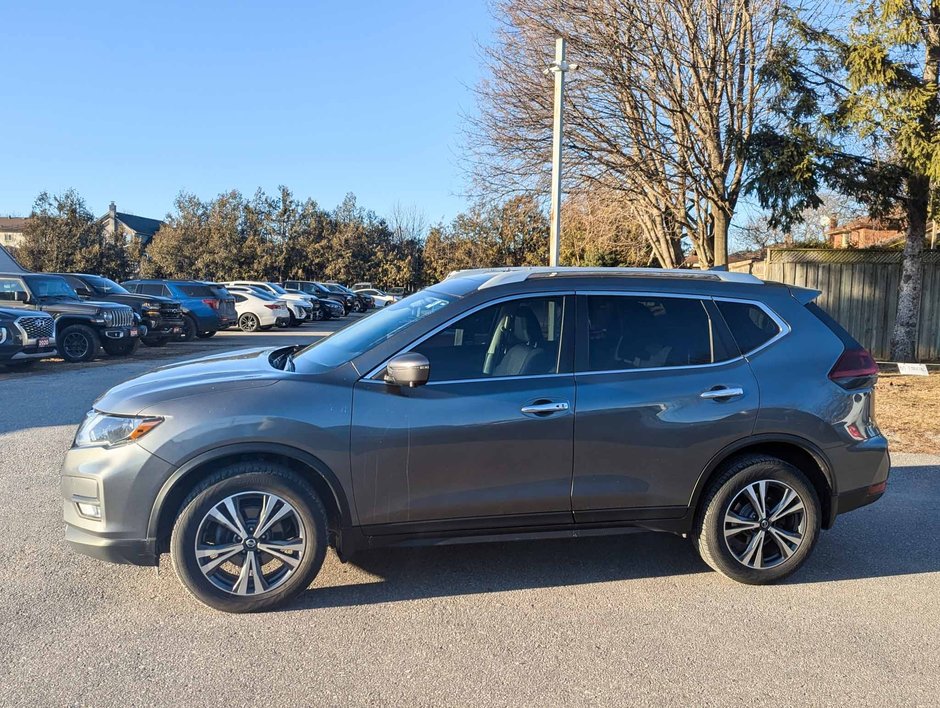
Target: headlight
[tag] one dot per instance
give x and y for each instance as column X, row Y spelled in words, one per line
column 108, row 430
column 3, row 334
column 108, row 316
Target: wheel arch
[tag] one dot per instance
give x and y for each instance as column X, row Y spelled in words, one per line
column 174, row 491
column 797, row 451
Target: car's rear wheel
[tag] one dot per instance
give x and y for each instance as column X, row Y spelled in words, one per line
column 759, row 521
column 249, row 323
column 77, row 343
column 249, row 538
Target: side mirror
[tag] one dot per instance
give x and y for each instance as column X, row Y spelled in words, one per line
column 20, row 296
column 411, row 369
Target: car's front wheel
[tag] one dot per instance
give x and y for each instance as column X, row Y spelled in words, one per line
column 249, row 538
column 759, row 521
column 77, row 343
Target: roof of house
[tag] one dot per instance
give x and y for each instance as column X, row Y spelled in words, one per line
column 13, row 223
column 139, row 224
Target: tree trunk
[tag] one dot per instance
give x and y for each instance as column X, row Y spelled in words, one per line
column 722, row 222
column 904, row 337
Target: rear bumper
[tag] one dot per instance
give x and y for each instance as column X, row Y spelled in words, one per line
column 866, row 479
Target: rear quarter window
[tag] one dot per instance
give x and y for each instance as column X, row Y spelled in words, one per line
column 193, row 290
column 750, row 325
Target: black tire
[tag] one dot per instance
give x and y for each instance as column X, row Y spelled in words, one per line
column 247, row 478
column 155, row 341
column 249, row 322
column 77, row 343
column 120, row 347
column 190, row 330
column 206, row 335
column 729, row 494
column 317, row 315
column 294, row 322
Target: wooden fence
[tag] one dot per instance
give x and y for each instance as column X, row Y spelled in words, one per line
column 860, row 290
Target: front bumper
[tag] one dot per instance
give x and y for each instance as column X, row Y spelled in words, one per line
column 27, row 353
column 123, row 484
column 119, row 332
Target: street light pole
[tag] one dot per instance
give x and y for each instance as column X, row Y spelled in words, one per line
column 559, row 68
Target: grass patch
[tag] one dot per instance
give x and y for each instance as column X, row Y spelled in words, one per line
column 907, row 409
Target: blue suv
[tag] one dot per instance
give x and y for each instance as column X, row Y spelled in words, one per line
column 200, row 305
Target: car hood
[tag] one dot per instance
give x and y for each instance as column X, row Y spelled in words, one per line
column 77, row 307
column 247, row 368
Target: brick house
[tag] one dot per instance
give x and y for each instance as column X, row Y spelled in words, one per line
column 864, row 232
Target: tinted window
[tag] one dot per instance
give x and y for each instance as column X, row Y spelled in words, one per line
column 749, row 324
column 103, row 285
column 641, row 332
column 513, row 338
column 49, row 286
column 239, row 298
column 194, row 290
column 150, row 288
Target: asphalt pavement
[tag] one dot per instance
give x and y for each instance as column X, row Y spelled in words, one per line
column 626, row 620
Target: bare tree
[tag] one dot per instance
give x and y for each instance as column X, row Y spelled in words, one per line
column 662, row 108
column 408, row 222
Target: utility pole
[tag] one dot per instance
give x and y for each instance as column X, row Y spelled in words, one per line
column 559, row 68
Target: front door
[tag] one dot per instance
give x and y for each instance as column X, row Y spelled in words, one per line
column 487, row 442
column 661, row 389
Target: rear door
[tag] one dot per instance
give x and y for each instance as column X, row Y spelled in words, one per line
column 661, row 388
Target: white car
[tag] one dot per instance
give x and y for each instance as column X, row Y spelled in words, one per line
column 258, row 311
column 378, row 297
column 301, row 307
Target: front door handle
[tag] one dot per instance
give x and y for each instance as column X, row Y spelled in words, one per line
column 722, row 392
column 545, row 408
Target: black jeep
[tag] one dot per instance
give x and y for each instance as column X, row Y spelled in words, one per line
column 161, row 318
column 81, row 327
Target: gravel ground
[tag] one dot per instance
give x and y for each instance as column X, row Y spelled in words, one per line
column 635, row 619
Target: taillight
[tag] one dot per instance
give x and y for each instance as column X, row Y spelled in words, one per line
column 212, row 302
column 272, row 307
column 855, row 368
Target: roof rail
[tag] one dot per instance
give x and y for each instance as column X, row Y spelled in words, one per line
column 504, row 276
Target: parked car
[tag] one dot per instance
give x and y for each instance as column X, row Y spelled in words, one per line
column 396, row 292
column 259, row 310
column 200, row 305
column 379, row 299
column 161, row 318
column 329, row 308
column 504, row 403
column 361, row 286
column 82, row 327
column 226, row 309
column 361, row 302
column 301, row 307
column 319, row 290
column 25, row 337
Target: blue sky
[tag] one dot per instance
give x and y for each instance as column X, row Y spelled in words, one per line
column 133, row 102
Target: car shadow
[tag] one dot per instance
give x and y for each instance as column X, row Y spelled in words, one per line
column 894, row 537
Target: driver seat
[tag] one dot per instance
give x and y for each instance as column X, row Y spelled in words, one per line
column 528, row 355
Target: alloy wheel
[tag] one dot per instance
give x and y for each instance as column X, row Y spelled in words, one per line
column 765, row 524
column 250, row 543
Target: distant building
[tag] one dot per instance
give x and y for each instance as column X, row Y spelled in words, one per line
column 135, row 226
column 864, row 232
column 11, row 231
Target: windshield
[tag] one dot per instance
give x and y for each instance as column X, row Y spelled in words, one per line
column 371, row 331
column 104, row 285
column 49, row 286
column 277, row 288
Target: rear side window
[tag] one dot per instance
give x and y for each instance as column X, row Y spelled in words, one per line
column 750, row 325
column 644, row 332
column 192, row 290
column 150, row 288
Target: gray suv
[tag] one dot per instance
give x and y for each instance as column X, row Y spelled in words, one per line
column 508, row 403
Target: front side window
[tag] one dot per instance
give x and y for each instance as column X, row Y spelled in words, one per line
column 9, row 287
column 513, row 338
column 150, row 288
column 647, row 332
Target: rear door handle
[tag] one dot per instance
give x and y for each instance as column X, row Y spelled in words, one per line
column 722, row 392
column 545, row 408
